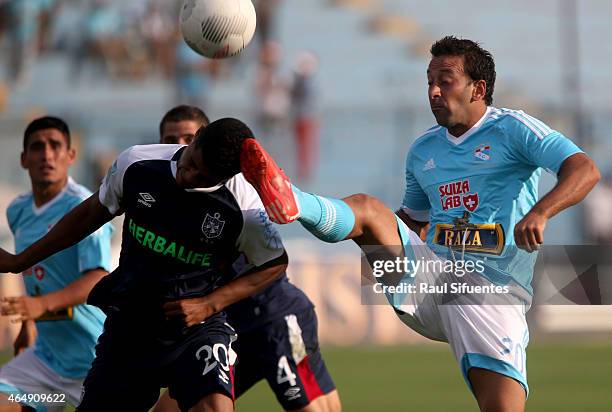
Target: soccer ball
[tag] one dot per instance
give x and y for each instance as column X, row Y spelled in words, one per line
column 218, row 28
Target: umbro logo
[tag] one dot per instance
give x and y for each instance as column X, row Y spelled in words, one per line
column 146, row 199
column 292, row 393
column 430, row 164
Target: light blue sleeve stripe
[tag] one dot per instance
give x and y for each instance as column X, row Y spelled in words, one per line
column 537, row 126
column 536, row 123
column 543, row 125
column 531, row 127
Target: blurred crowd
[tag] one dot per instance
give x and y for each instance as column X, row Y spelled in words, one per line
column 130, row 39
column 289, row 99
column 140, row 39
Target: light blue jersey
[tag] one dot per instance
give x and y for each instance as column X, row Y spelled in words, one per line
column 488, row 178
column 66, row 341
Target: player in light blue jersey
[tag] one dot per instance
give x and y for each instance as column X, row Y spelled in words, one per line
column 56, row 361
column 472, row 192
column 488, row 179
column 472, row 180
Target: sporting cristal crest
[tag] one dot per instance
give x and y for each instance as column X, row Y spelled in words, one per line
column 212, row 225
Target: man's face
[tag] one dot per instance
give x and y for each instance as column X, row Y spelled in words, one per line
column 450, row 90
column 181, row 132
column 47, row 157
column 191, row 172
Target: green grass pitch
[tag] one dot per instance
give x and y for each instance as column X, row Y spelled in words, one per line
column 562, row 377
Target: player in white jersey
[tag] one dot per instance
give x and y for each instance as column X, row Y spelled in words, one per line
column 189, row 215
column 55, row 362
column 266, row 323
column 474, row 177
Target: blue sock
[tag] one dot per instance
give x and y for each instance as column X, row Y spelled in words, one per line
column 331, row 220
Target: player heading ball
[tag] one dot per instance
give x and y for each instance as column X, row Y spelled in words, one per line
column 165, row 323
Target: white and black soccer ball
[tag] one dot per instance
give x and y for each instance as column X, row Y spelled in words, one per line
column 218, row 28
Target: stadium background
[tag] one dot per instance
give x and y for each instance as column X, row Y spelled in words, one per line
column 109, row 68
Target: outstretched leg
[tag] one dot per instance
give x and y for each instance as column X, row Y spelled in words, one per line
column 362, row 218
column 368, row 222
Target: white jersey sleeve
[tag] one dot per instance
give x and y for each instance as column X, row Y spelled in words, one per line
column 259, row 240
column 111, row 189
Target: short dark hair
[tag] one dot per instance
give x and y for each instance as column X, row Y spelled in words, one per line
column 46, row 122
column 478, row 63
column 220, row 144
column 183, row 113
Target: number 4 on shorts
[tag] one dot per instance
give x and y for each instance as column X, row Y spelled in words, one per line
column 284, row 373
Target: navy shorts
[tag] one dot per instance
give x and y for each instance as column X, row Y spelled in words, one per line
column 130, row 366
column 285, row 353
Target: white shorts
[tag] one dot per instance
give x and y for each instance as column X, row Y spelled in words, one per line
column 27, row 374
column 487, row 336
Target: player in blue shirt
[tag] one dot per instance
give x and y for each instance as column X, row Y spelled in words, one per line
column 472, row 190
column 57, row 360
column 277, row 327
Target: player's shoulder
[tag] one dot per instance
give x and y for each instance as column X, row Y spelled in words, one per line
column 512, row 120
column 21, row 201
column 76, row 191
column 245, row 194
column 148, row 152
column 425, row 142
column 19, row 207
column 427, row 137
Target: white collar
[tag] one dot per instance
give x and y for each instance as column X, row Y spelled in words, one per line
column 458, row 140
column 174, row 167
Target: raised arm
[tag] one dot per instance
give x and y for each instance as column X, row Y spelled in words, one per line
column 80, row 222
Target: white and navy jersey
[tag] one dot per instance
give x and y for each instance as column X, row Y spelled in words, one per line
column 177, row 242
column 475, row 188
